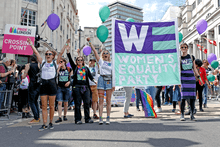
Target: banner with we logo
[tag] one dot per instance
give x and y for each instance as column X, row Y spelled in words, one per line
column 145, row 54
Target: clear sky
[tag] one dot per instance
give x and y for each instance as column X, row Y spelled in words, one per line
column 153, row 9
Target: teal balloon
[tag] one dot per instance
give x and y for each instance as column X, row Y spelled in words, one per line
column 211, row 78
column 102, row 33
column 104, row 13
column 214, row 64
column 130, row 19
column 180, row 37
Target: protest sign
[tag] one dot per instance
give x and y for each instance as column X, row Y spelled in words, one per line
column 145, row 54
column 15, row 39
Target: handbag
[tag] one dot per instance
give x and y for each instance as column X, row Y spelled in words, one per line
column 107, row 77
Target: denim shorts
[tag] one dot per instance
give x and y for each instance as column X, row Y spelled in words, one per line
column 104, row 85
column 63, row 94
column 176, row 94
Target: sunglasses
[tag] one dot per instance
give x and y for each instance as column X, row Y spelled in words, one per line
column 184, row 47
column 48, row 54
column 79, row 60
column 61, row 61
column 105, row 53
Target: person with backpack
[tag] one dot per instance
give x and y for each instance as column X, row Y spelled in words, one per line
column 23, row 94
column 80, row 87
column 32, row 70
column 48, row 82
column 63, row 92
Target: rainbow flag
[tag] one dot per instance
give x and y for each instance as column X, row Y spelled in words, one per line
column 148, row 104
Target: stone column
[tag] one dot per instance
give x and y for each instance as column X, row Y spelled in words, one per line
column 195, row 49
column 209, row 46
column 216, row 48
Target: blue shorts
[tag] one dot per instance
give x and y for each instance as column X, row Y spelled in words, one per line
column 63, row 94
column 104, row 85
column 176, row 94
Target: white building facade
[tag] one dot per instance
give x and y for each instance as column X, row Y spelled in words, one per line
column 191, row 13
column 37, row 12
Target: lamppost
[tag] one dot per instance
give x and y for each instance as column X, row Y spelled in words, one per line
column 79, row 30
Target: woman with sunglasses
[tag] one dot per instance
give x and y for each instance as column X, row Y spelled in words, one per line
column 81, row 89
column 48, row 88
column 205, row 90
column 188, row 81
column 104, row 82
column 63, row 92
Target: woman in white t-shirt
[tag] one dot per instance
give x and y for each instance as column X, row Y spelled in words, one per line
column 104, row 82
column 48, row 87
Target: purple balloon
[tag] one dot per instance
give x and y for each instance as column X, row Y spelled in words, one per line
column 68, row 65
column 87, row 50
column 53, row 21
column 201, row 26
column 211, row 57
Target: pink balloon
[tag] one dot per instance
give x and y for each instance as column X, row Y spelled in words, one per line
column 87, row 50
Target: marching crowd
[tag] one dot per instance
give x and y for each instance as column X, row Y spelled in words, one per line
column 56, row 83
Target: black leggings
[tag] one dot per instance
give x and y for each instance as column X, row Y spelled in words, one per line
column 192, row 105
column 157, row 97
column 199, row 88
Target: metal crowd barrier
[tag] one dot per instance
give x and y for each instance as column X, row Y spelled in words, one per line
column 6, row 103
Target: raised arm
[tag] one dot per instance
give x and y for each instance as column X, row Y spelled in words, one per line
column 93, row 48
column 27, row 67
column 62, row 51
column 39, row 58
column 73, row 65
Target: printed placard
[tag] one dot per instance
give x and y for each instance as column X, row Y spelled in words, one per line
column 15, row 39
column 145, row 54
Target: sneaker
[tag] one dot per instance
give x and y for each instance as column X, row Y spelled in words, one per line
column 50, row 126
column 95, row 116
column 59, row 120
column 166, row 103
column 158, row 110
column 127, row 116
column 79, row 122
column 170, row 103
column 43, row 127
column 205, row 106
column 89, row 121
column 193, row 118
column 23, row 115
column 34, row 121
column 201, row 110
column 131, row 115
column 138, row 109
column 29, row 115
column 173, row 110
column 100, row 121
column 64, row 118
column 108, row 120
column 182, row 118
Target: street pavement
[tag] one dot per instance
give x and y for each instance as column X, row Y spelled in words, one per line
column 165, row 131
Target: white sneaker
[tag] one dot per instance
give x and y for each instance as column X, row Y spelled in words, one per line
column 107, row 121
column 100, row 121
column 158, row 110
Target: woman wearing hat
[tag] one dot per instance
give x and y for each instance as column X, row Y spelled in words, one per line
column 93, row 67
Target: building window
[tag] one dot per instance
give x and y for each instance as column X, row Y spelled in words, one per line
column 219, row 30
column 219, row 3
column 29, row 18
column 33, row 1
column 199, row 1
column 75, row 45
column 194, row 5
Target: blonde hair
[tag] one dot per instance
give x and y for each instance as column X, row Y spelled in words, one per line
column 109, row 58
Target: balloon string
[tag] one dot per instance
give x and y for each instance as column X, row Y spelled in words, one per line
column 43, row 29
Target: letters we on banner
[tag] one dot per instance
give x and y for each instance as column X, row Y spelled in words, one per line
column 145, row 53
